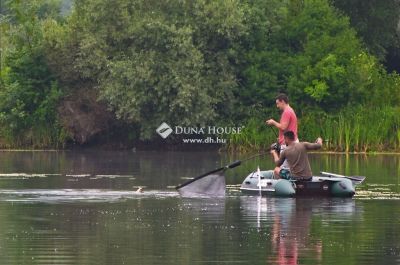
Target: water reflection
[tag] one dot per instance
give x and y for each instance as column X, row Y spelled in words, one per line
column 205, row 209
column 289, row 222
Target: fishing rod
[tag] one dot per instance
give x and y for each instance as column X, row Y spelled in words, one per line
column 276, row 135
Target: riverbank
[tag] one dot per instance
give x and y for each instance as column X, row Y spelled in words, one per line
column 186, row 148
column 356, row 130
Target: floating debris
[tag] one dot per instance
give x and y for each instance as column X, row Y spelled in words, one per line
column 17, row 176
column 78, row 175
column 98, row 177
column 72, row 180
column 379, row 185
column 233, row 186
column 377, row 193
column 116, row 176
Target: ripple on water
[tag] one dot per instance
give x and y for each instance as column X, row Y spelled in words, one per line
column 79, row 195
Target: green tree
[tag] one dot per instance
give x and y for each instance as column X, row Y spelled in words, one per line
column 28, row 91
column 155, row 61
column 377, row 23
column 318, row 60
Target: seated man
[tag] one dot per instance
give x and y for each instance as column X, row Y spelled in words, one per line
column 297, row 158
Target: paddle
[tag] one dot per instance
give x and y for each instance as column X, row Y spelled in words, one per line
column 357, row 180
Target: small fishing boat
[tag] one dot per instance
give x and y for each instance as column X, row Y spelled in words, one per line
column 212, row 184
column 327, row 185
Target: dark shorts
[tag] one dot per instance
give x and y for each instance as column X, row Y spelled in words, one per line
column 285, row 174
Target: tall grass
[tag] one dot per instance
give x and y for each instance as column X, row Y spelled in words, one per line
column 38, row 137
column 350, row 130
column 255, row 135
column 398, row 137
column 359, row 129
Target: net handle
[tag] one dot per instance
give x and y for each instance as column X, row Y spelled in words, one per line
column 231, row 165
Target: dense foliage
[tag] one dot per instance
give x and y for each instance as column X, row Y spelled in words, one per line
column 377, row 23
column 194, row 63
column 318, row 60
column 29, row 92
column 156, row 61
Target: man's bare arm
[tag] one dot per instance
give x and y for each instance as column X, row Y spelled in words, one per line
column 282, row 126
column 314, row 146
column 278, row 160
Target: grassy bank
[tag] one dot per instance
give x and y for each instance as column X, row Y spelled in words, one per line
column 350, row 130
column 40, row 137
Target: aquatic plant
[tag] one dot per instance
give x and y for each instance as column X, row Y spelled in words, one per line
column 359, row 129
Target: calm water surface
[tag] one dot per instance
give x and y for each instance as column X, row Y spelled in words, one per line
column 82, row 208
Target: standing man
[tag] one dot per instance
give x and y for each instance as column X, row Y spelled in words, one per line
column 288, row 122
column 296, row 156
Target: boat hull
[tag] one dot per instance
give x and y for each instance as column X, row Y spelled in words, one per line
column 266, row 185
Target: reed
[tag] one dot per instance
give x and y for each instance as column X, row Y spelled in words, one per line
column 398, row 139
column 359, row 129
column 41, row 136
column 255, row 136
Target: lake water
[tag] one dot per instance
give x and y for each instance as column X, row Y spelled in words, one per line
column 80, row 207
